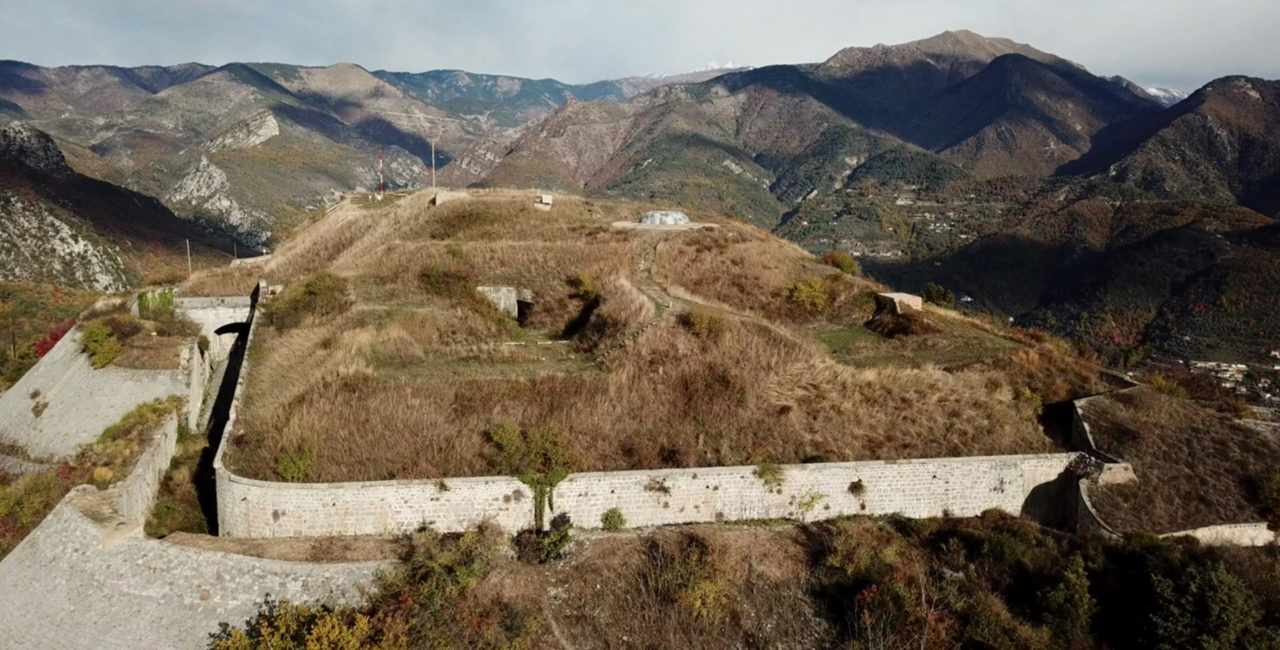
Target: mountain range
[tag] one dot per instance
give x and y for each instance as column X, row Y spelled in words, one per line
column 940, row 160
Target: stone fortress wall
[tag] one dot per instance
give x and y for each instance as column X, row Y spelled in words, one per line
column 145, row 593
column 930, row 487
column 1114, row 470
column 915, row 488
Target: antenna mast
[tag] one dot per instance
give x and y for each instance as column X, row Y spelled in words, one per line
column 381, row 184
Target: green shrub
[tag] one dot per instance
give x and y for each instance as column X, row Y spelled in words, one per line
column 843, row 261
column 143, row 418
column 612, row 520
column 323, row 294
column 293, row 465
column 702, row 324
column 811, row 294
column 937, row 295
column 540, row 547
column 156, row 305
column 1168, row 387
column 1034, row 400
column 98, row 342
column 584, row 287
column 1067, row 607
column 687, row 571
column 203, row 344
column 771, row 474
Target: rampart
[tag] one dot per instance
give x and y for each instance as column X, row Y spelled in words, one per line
column 914, row 488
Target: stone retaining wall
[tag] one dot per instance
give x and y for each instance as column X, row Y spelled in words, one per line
column 1087, row 519
column 959, row 487
column 1253, row 534
column 79, row 401
column 931, row 487
column 138, row 490
column 212, row 313
column 914, row 488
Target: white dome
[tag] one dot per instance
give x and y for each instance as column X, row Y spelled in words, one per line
column 665, row 218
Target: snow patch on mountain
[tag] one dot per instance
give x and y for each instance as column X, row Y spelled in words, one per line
column 1166, row 96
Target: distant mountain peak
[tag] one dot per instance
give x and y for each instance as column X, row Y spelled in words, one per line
column 956, row 46
column 1167, row 96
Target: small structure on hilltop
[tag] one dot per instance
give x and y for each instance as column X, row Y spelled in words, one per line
column 664, row 218
column 542, row 202
column 899, row 315
column 511, row 301
column 898, row 303
column 441, row 197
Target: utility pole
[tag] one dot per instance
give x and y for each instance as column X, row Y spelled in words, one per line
column 422, row 121
column 188, row 258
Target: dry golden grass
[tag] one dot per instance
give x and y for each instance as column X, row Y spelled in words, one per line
column 405, row 383
column 152, row 352
column 223, row 281
column 1195, row 467
column 748, row 270
column 672, row 400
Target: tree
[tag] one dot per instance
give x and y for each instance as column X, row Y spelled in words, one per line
column 939, row 296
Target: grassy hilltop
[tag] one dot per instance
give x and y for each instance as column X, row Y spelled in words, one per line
column 643, row 349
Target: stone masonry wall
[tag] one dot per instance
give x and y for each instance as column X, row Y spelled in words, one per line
column 138, row 490
column 914, row 488
column 933, row 487
column 251, row 508
column 198, row 373
column 212, row 313
column 1253, row 534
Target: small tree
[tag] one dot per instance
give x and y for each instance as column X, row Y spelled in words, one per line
column 937, row 295
column 843, row 261
column 538, row 457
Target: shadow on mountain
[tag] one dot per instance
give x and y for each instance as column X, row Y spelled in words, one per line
column 12, row 78
column 385, row 132
column 1004, row 274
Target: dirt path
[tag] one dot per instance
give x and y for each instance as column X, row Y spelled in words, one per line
column 642, row 278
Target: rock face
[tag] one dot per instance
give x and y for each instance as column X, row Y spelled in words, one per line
column 40, row 243
column 60, row 227
column 26, row 146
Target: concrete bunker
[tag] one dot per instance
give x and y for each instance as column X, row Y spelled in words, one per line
column 664, row 218
column 512, row 301
column 897, row 303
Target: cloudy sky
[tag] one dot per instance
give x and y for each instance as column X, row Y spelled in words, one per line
column 1176, row 43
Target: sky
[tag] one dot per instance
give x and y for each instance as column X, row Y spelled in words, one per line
column 1174, row 43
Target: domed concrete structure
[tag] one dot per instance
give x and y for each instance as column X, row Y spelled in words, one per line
column 664, row 218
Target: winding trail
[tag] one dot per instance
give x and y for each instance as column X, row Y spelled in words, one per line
column 666, row 304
